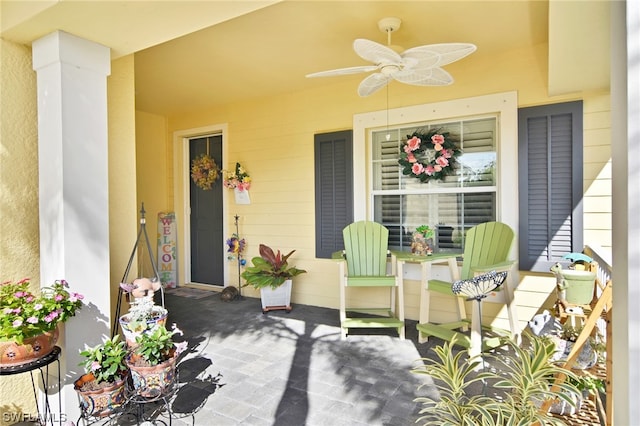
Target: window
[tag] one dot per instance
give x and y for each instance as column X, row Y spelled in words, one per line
column 550, row 190
column 334, row 190
column 452, row 205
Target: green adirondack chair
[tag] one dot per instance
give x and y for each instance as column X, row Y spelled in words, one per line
column 486, row 249
column 364, row 266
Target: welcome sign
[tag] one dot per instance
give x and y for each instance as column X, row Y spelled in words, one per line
column 168, row 249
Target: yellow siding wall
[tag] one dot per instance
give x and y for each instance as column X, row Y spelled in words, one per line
column 19, row 226
column 152, row 186
column 123, row 209
column 273, row 140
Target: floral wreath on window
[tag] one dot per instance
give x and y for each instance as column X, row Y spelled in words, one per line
column 204, row 171
column 429, row 155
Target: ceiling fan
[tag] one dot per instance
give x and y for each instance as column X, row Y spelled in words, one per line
column 419, row 66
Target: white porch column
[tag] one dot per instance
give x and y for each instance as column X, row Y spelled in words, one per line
column 73, row 173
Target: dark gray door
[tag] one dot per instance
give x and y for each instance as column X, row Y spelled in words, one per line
column 207, row 239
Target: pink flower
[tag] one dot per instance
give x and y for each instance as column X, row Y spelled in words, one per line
column 58, row 297
column 429, row 170
column 411, row 158
column 29, row 299
column 437, row 168
column 437, row 139
column 37, row 306
column 95, row 365
column 7, row 311
column 32, row 320
column 181, row 347
column 417, row 168
column 17, row 310
column 17, row 323
column 412, row 144
column 447, row 153
column 442, row 161
column 52, row 315
column 20, row 294
column 437, row 147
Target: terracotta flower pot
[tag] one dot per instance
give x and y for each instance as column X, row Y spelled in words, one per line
column 100, row 402
column 33, row 348
column 152, row 381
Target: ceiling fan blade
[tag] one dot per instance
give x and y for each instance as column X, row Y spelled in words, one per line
column 430, row 77
column 344, row 71
column 437, row 55
column 372, row 84
column 375, row 52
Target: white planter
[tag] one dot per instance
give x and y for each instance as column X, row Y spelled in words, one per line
column 277, row 299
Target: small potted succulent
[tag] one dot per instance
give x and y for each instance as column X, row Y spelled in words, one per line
column 271, row 274
column 152, row 360
column 101, row 389
column 29, row 320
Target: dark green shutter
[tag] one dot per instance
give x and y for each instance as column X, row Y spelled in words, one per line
column 550, row 169
column 334, row 189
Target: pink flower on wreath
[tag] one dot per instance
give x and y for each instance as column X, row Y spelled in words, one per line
column 437, row 141
column 417, row 168
column 429, row 170
column 447, row 153
column 412, row 144
column 437, row 168
column 442, row 161
column 411, row 158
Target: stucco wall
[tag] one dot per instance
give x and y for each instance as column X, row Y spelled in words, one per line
column 273, row 139
column 19, row 244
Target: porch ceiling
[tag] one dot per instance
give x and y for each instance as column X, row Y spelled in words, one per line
column 198, row 54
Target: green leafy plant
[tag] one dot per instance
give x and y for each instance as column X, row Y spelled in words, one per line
column 525, row 374
column 157, row 346
column 25, row 314
column 106, row 360
column 425, row 230
column 456, row 404
column 270, row 269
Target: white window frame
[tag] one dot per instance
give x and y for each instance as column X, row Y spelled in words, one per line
column 504, row 105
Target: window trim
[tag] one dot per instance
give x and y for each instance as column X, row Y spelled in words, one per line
column 505, row 105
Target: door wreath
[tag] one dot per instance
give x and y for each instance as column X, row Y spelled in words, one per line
column 429, row 155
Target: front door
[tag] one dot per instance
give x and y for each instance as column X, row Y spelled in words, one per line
column 207, row 239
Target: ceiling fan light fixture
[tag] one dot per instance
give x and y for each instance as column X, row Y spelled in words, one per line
column 418, row 66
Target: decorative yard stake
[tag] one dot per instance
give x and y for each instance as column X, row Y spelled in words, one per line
column 236, row 247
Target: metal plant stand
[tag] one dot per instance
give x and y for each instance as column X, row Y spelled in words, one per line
column 141, row 232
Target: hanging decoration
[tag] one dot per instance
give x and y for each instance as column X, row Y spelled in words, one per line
column 204, row 171
column 238, row 179
column 429, row 155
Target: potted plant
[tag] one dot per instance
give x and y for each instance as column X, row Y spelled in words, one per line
column 143, row 315
column 28, row 324
column 102, row 388
column 271, row 274
column 422, row 240
column 152, row 361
